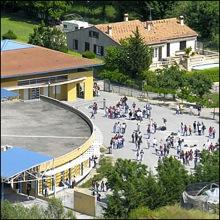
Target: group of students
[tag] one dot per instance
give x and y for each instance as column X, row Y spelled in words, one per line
column 96, row 188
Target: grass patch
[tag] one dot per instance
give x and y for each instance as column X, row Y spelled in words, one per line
column 21, row 26
column 213, row 73
column 215, row 100
column 171, row 212
column 74, row 53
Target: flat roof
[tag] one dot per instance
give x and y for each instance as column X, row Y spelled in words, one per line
column 5, row 94
column 42, row 127
column 39, row 60
column 17, row 160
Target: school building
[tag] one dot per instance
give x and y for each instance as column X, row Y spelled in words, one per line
column 32, row 70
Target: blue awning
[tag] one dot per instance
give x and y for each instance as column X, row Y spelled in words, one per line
column 17, row 160
column 13, row 45
column 5, row 94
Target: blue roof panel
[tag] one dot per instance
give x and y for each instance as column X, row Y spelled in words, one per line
column 13, row 45
column 17, row 160
column 5, row 94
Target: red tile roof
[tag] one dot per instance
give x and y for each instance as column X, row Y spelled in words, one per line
column 39, row 59
column 161, row 30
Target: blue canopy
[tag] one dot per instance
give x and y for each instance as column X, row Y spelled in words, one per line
column 13, row 45
column 5, row 94
column 17, row 160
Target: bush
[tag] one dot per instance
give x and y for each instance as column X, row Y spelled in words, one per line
column 88, row 54
column 9, row 35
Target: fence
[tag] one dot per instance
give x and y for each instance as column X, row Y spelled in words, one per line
column 135, row 91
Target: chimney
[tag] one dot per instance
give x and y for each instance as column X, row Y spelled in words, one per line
column 126, row 17
column 147, row 25
column 181, row 18
column 109, row 30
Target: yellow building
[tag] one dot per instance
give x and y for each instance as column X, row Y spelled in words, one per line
column 32, row 70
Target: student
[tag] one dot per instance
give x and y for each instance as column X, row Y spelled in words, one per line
column 142, row 154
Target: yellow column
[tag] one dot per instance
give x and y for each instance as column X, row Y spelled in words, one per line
column 89, row 86
column 71, row 92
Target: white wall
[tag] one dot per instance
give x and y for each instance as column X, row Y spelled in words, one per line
column 191, row 43
column 174, row 46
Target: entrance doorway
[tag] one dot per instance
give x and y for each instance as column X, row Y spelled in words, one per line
column 34, row 93
column 80, row 90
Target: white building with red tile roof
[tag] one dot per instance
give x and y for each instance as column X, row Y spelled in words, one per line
column 168, row 37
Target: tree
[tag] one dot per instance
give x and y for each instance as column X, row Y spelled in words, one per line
column 172, row 178
column 171, row 79
column 52, row 38
column 199, row 84
column 9, row 35
column 208, row 168
column 132, row 186
column 131, row 58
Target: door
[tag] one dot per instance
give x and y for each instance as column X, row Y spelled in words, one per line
column 34, row 93
column 160, row 53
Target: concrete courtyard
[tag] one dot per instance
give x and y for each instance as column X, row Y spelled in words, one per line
column 173, row 125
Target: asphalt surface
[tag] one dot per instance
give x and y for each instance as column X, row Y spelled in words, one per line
column 158, row 112
column 42, row 127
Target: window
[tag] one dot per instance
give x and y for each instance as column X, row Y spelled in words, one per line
column 98, row 50
column 76, row 28
column 94, row 48
column 75, row 44
column 87, row 46
column 155, row 52
column 94, row 34
column 65, row 26
column 182, row 45
column 168, row 49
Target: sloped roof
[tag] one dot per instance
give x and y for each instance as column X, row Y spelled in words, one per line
column 161, row 30
column 37, row 60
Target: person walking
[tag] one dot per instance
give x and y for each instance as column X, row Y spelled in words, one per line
column 137, row 155
column 194, row 127
column 141, row 154
column 102, row 186
column 190, row 130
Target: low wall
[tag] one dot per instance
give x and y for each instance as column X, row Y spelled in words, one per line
column 76, row 152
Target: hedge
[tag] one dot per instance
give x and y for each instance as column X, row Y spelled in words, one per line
column 88, row 54
column 9, row 35
column 212, row 73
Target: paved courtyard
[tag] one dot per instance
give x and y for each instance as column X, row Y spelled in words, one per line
column 173, row 125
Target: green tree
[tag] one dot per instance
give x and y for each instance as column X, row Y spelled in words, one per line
column 171, row 79
column 136, row 56
column 52, row 38
column 132, row 186
column 208, row 168
column 131, row 58
column 199, row 84
column 172, row 178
